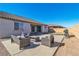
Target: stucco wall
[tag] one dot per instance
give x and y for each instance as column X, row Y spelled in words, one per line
column 26, row 27
column 6, row 27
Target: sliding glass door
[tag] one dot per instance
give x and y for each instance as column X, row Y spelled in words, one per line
column 39, row 29
column 32, row 28
column 36, row 28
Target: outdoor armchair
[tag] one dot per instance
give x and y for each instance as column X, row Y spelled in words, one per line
column 48, row 40
column 22, row 42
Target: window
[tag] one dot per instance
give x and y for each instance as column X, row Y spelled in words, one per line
column 16, row 26
column 21, row 26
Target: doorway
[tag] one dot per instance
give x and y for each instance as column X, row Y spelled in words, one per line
column 38, row 28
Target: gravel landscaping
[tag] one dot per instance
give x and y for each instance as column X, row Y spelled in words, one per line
column 70, row 48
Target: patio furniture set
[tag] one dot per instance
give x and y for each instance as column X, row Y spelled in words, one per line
column 24, row 41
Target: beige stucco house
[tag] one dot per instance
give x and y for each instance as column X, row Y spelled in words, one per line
column 12, row 24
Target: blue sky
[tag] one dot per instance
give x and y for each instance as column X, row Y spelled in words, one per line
column 53, row 13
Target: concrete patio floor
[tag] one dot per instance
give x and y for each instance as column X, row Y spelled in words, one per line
column 3, row 51
column 39, row 50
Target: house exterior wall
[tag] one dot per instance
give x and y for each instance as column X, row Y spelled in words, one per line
column 27, row 27
column 44, row 28
column 7, row 28
column 23, row 27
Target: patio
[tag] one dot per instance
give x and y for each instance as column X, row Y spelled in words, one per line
column 36, row 49
column 3, row 51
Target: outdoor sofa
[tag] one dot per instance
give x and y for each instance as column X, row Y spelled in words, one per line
column 48, row 40
column 22, row 42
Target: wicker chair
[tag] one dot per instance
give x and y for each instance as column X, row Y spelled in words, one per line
column 48, row 40
column 22, row 42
